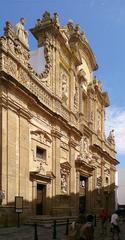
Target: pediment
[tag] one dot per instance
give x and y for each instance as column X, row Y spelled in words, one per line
column 41, row 132
column 65, row 165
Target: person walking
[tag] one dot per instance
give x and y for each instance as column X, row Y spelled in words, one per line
column 115, row 225
column 75, row 230
column 87, row 230
column 83, row 229
column 103, row 217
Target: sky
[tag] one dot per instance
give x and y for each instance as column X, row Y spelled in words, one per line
column 103, row 22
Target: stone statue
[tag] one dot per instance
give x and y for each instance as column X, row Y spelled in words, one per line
column 64, row 89
column 98, row 122
column 56, row 19
column 46, row 16
column 86, row 145
column 63, row 184
column 111, row 137
column 76, row 95
column 20, row 32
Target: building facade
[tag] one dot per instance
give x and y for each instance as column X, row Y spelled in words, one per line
column 53, row 148
column 121, row 188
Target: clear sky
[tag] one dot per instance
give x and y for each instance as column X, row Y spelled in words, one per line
column 103, row 21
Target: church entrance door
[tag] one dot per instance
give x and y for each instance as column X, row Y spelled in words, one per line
column 82, row 195
column 40, row 201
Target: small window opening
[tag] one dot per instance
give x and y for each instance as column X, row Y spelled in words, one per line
column 40, row 153
column 107, row 180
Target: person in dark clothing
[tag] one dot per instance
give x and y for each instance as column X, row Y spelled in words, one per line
column 87, row 230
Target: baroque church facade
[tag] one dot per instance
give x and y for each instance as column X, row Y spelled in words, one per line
column 53, row 148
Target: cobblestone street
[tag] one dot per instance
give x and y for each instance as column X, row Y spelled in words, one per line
column 27, row 233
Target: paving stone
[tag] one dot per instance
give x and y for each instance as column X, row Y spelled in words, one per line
column 27, row 233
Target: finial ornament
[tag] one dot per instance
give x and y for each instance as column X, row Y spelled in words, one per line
column 46, row 16
column 56, row 19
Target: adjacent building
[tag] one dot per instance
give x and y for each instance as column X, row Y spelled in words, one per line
column 53, row 148
column 121, row 188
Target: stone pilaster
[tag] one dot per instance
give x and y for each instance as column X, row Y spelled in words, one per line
column 89, row 194
column 72, row 182
column 56, row 183
column 34, row 196
column 103, row 181
column 77, row 192
column 4, row 153
column 11, row 158
column 72, row 89
column 24, row 159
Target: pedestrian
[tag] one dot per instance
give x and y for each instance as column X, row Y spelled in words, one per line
column 75, row 230
column 103, row 217
column 87, row 230
column 115, row 224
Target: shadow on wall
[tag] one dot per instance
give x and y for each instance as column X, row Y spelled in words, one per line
column 61, row 205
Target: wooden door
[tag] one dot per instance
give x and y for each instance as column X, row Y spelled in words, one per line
column 40, row 201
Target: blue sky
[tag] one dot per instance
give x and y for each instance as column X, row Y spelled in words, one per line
column 103, row 21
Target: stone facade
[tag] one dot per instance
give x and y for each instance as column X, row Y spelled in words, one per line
column 53, row 149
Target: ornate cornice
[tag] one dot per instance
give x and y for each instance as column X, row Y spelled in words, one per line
column 56, row 133
column 104, row 153
column 18, row 109
column 82, row 166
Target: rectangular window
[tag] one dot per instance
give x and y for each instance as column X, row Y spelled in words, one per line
column 40, row 153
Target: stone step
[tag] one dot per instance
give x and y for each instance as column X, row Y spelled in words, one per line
column 48, row 221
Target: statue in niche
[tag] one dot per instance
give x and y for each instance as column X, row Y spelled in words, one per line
column 86, row 145
column 20, row 32
column 84, row 151
column 82, row 77
column 63, row 184
column 99, row 123
column 64, row 89
column 111, row 137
